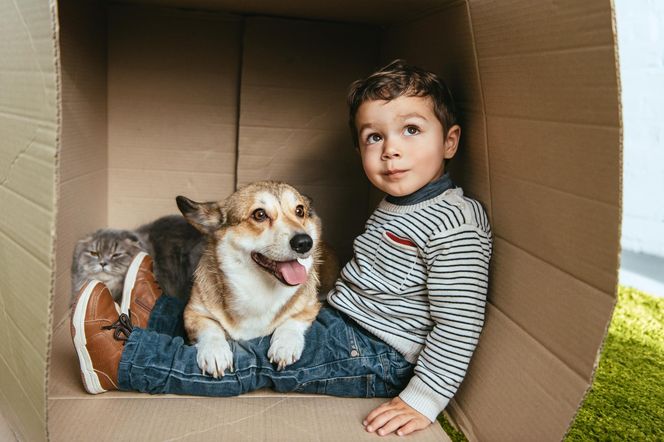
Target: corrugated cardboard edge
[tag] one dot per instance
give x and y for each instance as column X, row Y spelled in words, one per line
column 620, row 211
column 53, row 6
column 483, row 101
column 460, row 420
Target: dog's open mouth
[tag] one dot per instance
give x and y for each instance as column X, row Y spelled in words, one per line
column 288, row 272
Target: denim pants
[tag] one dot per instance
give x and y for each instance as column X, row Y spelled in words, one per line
column 339, row 358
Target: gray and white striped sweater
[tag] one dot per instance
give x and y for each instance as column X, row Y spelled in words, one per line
column 418, row 281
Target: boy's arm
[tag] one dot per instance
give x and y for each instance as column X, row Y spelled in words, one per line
column 458, row 262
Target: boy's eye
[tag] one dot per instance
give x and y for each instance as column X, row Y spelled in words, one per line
column 373, row 138
column 411, row 130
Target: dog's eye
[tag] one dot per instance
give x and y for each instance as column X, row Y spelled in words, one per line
column 299, row 211
column 259, row 215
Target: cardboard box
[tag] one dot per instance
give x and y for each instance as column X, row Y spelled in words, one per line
column 110, row 109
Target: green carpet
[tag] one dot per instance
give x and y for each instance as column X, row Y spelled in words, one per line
column 626, row 401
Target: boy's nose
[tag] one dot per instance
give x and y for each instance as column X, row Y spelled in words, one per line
column 390, row 151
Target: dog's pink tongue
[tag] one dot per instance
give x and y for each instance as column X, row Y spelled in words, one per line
column 293, row 272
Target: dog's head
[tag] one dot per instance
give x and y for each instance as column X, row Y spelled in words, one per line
column 266, row 223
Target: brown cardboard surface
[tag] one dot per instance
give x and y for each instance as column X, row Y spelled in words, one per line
column 157, row 101
column 565, row 230
column 293, row 118
column 366, row 11
column 526, row 392
column 172, row 88
column 83, row 181
column 550, row 62
column 289, row 418
column 526, row 150
column 566, row 315
column 28, row 128
column 522, row 27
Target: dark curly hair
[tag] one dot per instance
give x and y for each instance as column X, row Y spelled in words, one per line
column 400, row 79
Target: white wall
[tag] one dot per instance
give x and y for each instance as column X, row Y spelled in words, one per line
column 640, row 26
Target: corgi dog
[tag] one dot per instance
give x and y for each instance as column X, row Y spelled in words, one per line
column 258, row 275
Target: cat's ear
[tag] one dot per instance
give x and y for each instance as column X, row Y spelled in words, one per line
column 133, row 239
column 131, row 236
column 83, row 243
column 205, row 217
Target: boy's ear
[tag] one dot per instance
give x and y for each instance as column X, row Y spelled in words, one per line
column 452, row 141
column 205, row 217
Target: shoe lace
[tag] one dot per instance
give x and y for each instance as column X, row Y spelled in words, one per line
column 122, row 326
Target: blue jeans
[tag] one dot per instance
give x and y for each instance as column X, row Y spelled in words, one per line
column 339, row 358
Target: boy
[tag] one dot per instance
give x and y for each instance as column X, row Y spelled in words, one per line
column 406, row 312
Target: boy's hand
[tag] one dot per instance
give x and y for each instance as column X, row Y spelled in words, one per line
column 395, row 416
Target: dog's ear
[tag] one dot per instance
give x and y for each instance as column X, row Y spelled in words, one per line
column 205, row 217
column 310, row 202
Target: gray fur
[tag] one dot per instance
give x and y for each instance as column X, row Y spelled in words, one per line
column 176, row 248
column 174, row 245
column 104, row 255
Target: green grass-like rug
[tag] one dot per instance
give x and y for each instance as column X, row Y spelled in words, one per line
column 626, row 400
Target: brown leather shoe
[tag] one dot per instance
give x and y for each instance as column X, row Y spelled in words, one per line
column 98, row 334
column 141, row 291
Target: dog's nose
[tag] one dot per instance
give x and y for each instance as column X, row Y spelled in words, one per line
column 301, row 243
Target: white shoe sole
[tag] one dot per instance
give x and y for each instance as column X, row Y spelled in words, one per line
column 88, row 374
column 129, row 282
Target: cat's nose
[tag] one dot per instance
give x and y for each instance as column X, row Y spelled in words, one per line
column 103, row 264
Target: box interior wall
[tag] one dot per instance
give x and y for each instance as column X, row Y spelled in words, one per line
column 158, row 101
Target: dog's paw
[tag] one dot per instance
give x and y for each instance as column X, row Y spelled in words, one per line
column 285, row 348
column 214, row 355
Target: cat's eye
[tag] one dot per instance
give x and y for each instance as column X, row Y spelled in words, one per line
column 117, row 255
column 259, row 215
column 299, row 211
column 93, row 253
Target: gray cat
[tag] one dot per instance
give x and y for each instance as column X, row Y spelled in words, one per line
column 105, row 255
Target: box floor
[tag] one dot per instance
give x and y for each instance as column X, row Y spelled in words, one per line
column 262, row 415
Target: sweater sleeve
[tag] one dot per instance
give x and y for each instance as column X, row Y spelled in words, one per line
column 457, row 284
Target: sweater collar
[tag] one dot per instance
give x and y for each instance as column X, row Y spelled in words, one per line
column 429, row 191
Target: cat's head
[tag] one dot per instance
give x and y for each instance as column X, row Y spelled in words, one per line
column 106, row 254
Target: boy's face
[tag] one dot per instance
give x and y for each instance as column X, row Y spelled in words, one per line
column 402, row 143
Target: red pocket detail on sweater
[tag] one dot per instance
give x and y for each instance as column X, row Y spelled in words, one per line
column 400, row 240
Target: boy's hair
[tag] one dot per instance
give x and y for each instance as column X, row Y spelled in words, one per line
column 400, row 79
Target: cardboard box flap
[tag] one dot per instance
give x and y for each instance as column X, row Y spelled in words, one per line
column 525, row 391
column 29, row 126
column 556, row 228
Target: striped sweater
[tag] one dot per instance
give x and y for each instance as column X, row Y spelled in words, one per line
column 418, row 281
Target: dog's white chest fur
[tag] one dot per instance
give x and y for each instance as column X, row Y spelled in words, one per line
column 257, row 296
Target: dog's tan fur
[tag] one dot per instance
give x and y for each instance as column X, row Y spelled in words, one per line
column 233, row 296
